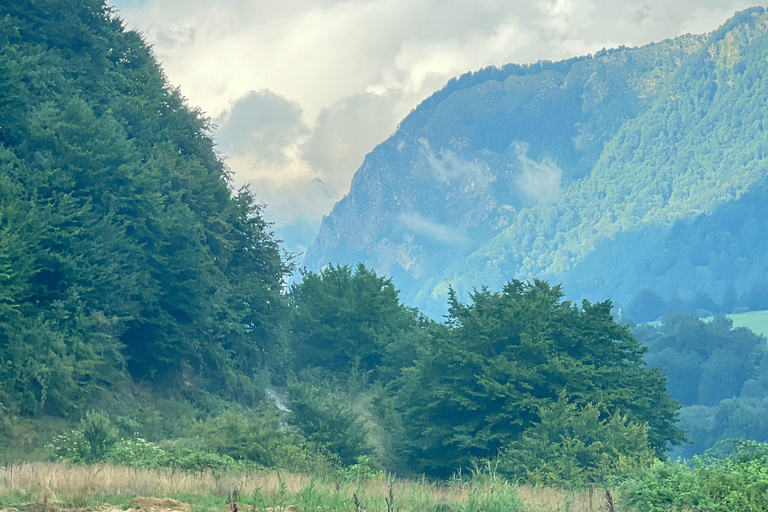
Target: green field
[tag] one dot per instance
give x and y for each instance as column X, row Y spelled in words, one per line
column 755, row 321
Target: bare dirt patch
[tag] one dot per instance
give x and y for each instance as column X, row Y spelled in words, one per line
column 159, row 505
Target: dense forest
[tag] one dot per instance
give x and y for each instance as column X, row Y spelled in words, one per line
column 145, row 318
column 124, row 249
column 716, row 371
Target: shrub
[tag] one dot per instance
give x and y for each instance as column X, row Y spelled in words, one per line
column 737, row 483
column 139, row 453
column 99, row 434
column 89, row 443
column 328, row 420
column 261, row 437
column 575, row 446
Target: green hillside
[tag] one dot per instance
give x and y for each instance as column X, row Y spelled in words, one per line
column 698, row 148
column 125, row 255
column 144, row 314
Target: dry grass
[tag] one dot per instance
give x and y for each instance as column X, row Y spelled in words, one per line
column 546, row 499
column 62, row 479
column 62, row 483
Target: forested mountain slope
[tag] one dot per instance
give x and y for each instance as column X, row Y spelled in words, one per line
column 123, row 248
column 633, row 167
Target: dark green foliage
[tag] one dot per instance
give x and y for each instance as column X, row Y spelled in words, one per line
column 742, row 417
column 717, row 372
column 122, row 245
column 345, row 319
column 705, row 362
column 575, row 447
column 327, row 419
column 482, row 380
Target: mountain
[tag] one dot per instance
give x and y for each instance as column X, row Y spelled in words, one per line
column 630, row 168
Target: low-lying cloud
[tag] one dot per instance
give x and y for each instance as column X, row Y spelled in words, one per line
column 446, row 166
column 539, row 181
column 419, row 225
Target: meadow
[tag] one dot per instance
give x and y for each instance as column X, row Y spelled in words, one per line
column 52, row 487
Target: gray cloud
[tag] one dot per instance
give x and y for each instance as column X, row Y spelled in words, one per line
column 420, row 225
column 345, row 132
column 261, row 124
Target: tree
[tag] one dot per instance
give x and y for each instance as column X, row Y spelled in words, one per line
column 328, row 420
column 124, row 251
column 647, row 306
column 577, row 446
column 482, row 379
column 344, row 319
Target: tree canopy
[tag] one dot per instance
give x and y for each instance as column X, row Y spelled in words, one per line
column 123, row 243
column 483, row 379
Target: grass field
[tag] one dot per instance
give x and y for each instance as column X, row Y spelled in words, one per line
column 755, row 321
column 56, row 487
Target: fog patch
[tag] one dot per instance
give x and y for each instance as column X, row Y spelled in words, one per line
column 539, row 181
column 446, row 166
column 420, row 225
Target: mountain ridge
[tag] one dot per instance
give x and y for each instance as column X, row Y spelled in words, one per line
column 481, row 154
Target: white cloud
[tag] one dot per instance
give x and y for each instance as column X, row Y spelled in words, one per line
column 447, row 166
column 539, row 181
column 420, row 225
column 336, row 76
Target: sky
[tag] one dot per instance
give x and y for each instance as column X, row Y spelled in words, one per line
column 302, row 90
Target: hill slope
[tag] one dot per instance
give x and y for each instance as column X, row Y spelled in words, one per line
column 632, row 167
column 124, row 253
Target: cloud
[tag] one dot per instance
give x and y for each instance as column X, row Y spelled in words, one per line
column 420, row 225
column 297, row 171
column 447, row 166
column 261, row 124
column 296, row 200
column 345, row 132
column 539, row 181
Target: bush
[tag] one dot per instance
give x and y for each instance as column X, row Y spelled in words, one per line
column 89, row 443
column 99, row 434
column 139, row 453
column 360, row 471
column 737, row 483
column 573, row 447
column 328, row 420
column 261, row 437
